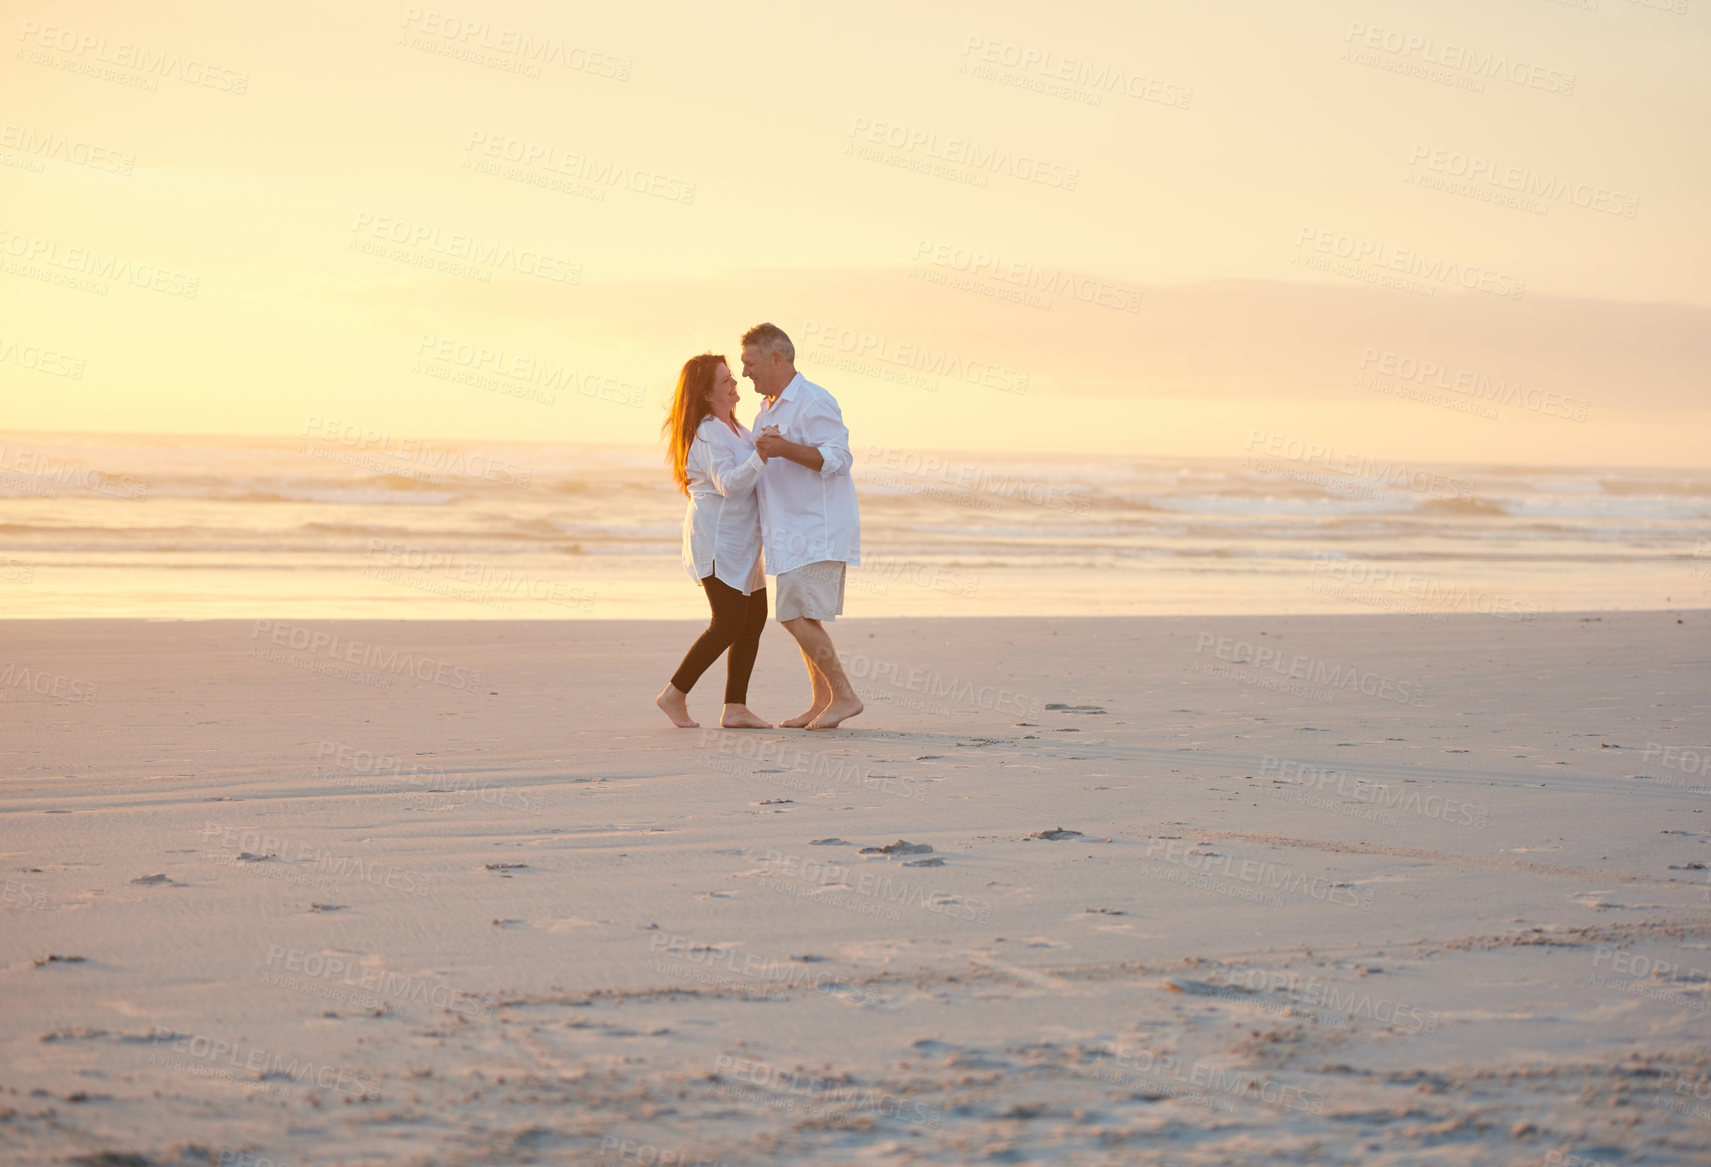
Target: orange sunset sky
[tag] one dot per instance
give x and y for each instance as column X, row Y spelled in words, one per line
column 1147, row 229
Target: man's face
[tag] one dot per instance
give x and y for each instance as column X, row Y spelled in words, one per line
column 760, row 369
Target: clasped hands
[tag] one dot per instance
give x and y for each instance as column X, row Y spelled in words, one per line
column 769, row 443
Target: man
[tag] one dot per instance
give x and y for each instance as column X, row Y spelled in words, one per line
column 809, row 524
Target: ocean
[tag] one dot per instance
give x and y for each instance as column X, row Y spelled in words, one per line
column 343, row 523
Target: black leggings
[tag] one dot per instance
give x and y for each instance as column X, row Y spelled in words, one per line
column 737, row 624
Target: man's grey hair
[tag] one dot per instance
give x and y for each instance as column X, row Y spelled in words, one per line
column 770, row 338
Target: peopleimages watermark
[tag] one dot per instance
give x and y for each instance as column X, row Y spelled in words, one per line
column 38, row 359
column 568, row 171
column 1201, row 1082
column 88, row 269
column 929, row 690
column 965, row 483
column 307, row 864
column 723, row 967
column 958, row 159
column 421, row 458
column 507, row 50
column 509, row 373
column 1349, row 467
column 1446, row 63
column 230, row 1158
column 25, row 895
column 1687, row 762
column 371, row 655
column 38, row 474
column 363, row 985
column 370, row 772
column 1330, row 789
column 1645, row 976
column 1053, row 75
column 133, row 65
column 1405, row 375
column 878, row 572
column 1352, row 579
column 1694, row 1085
column 1519, row 187
column 783, row 764
column 16, row 677
column 1263, row 882
column 615, row 1149
column 454, row 252
column 38, row 147
column 1701, row 552
column 246, row 1064
column 815, row 1097
column 908, row 362
column 1376, row 262
column 881, row 893
column 988, row 272
column 464, row 577
column 1339, row 1004
column 1323, row 677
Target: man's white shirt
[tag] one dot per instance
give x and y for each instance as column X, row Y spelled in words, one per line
column 721, row 529
column 808, row 516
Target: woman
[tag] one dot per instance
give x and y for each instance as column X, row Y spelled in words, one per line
column 713, row 461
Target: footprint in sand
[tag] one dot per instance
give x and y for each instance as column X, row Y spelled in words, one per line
column 900, row 847
column 1056, row 833
column 1203, row 988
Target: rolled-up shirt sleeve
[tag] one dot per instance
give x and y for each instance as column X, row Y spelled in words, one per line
column 824, row 429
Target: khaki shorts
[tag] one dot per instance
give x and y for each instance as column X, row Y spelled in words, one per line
column 815, row 590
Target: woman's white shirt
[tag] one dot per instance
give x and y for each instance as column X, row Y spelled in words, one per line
column 721, row 530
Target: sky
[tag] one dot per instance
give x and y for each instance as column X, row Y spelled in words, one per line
column 1453, row 231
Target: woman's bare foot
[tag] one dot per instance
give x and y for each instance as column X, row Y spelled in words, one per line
column 675, row 704
column 801, row 720
column 739, row 717
column 836, row 712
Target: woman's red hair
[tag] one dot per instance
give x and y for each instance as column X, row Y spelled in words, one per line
column 689, row 407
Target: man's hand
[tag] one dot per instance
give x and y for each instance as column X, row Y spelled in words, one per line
column 772, row 444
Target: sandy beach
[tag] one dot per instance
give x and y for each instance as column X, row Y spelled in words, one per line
column 1307, row 889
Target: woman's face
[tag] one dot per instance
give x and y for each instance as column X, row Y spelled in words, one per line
column 722, row 397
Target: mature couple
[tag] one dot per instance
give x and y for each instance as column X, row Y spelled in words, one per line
column 786, row 488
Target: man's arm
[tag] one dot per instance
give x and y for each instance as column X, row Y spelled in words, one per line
column 827, row 450
column 770, row 445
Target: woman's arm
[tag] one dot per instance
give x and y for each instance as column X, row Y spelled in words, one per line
column 732, row 468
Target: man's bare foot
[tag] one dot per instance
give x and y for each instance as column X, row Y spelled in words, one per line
column 739, row 717
column 801, row 720
column 836, row 712
column 675, row 704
